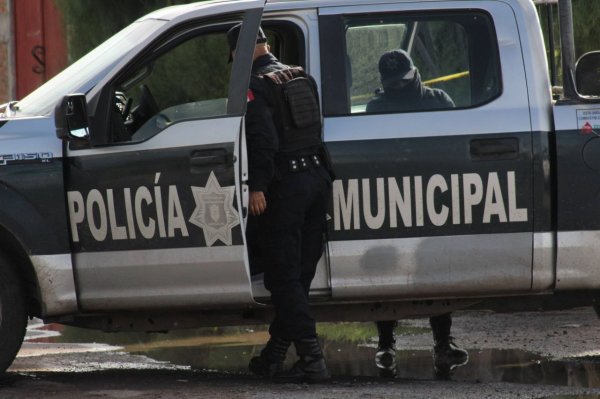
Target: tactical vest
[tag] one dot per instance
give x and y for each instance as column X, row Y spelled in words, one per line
column 293, row 96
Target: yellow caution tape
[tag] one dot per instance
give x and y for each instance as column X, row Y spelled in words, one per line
column 447, row 78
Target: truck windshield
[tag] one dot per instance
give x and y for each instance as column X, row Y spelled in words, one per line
column 85, row 73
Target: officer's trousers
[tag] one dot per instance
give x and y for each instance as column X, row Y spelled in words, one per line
column 440, row 327
column 294, row 234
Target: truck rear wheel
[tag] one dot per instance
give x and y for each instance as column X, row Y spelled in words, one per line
column 13, row 317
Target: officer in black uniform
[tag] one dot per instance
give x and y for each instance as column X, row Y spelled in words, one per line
column 290, row 187
column 404, row 91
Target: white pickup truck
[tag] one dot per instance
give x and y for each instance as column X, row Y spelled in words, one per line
column 123, row 180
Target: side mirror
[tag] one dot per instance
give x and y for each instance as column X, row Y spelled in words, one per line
column 587, row 74
column 71, row 118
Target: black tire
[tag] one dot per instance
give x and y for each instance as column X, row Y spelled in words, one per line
column 13, row 317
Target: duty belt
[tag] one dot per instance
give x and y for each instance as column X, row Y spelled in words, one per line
column 302, row 163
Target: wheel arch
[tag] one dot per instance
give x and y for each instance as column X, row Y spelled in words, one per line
column 34, row 238
column 15, row 253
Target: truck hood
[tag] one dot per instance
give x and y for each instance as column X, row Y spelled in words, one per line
column 29, row 135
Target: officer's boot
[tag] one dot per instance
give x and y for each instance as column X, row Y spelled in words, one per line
column 270, row 360
column 446, row 352
column 311, row 366
column 385, row 358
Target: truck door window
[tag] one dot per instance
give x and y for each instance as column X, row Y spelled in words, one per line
column 189, row 80
column 455, row 52
column 286, row 40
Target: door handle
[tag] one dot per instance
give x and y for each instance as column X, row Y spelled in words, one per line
column 213, row 157
column 494, row 149
column 207, row 160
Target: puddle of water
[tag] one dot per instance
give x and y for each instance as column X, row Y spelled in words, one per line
column 36, row 349
column 573, row 397
column 349, row 350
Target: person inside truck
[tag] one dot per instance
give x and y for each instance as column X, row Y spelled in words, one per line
column 402, row 90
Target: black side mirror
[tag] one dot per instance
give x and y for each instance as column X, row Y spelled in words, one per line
column 587, row 74
column 71, row 118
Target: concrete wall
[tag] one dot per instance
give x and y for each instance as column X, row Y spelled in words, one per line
column 7, row 76
column 40, row 48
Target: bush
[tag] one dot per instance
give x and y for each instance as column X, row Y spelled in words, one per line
column 90, row 22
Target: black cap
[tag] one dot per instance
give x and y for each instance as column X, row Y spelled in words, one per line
column 234, row 33
column 396, row 65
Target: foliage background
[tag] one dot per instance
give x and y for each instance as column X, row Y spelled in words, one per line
column 586, row 14
column 90, row 22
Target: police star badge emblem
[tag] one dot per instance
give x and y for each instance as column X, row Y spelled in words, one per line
column 214, row 212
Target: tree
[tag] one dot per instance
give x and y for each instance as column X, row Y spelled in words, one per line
column 585, row 21
column 90, row 22
column 586, row 29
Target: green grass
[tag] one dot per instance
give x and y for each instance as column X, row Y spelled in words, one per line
column 340, row 332
column 357, row 332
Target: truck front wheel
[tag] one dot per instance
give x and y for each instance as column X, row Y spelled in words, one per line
column 13, row 317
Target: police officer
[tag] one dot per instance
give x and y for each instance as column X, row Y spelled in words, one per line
column 404, row 91
column 289, row 192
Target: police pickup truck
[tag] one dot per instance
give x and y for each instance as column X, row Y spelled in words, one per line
column 123, row 180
